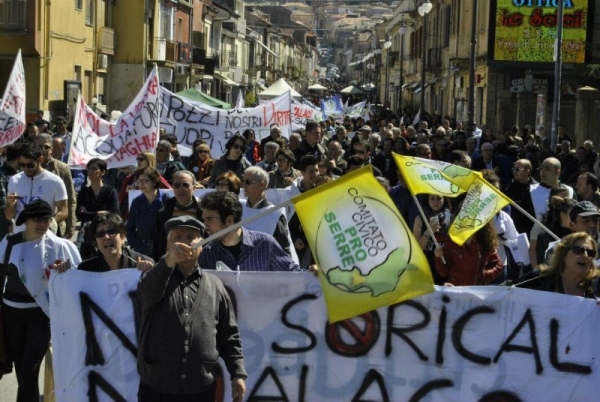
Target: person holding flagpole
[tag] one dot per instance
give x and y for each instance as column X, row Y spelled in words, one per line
column 474, row 263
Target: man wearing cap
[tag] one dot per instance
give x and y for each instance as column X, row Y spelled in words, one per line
column 365, row 132
column 585, row 217
column 188, row 322
column 240, row 249
column 311, row 144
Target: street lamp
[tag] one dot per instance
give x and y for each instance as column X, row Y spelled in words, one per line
column 424, row 9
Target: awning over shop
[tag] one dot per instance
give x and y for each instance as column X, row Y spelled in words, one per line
column 226, row 80
column 266, row 48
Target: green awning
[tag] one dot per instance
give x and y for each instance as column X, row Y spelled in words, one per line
column 195, row 95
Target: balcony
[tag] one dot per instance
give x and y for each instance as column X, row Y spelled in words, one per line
column 230, row 26
column 184, row 53
column 13, row 16
column 434, row 58
column 229, row 59
column 106, row 41
column 162, row 49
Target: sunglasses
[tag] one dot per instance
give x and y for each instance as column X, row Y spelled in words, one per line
column 38, row 219
column 579, row 250
column 109, row 232
column 184, row 185
column 238, row 146
column 29, row 165
column 202, row 151
column 248, row 181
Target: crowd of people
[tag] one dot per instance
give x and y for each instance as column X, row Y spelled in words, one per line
column 42, row 201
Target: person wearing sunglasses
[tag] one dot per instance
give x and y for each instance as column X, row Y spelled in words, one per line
column 228, row 181
column 35, row 182
column 201, row 162
column 144, row 211
column 27, row 259
column 233, row 160
column 73, row 179
column 108, row 232
column 571, row 268
column 93, row 200
column 183, row 203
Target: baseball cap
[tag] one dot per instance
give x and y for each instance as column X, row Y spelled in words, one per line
column 583, row 208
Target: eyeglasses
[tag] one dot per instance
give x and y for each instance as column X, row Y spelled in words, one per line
column 223, row 184
column 519, row 169
column 238, row 146
column 29, row 165
column 579, row 250
column 184, row 185
column 109, row 232
column 202, row 151
column 248, row 181
column 38, row 219
column 143, row 181
column 140, row 158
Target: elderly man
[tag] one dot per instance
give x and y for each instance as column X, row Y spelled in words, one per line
column 184, row 203
column 61, row 169
column 240, row 249
column 335, row 152
column 188, row 322
column 255, row 182
column 268, row 162
column 274, row 135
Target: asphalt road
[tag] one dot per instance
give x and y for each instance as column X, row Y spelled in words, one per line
column 8, row 386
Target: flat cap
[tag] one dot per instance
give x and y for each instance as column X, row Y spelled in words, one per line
column 186, row 222
column 35, row 209
column 365, row 128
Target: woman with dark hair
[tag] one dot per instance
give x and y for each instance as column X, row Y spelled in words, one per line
column 233, row 160
column 474, row 263
column 253, row 152
column 401, row 146
column 201, row 162
column 285, row 174
column 108, row 232
column 97, row 198
column 228, row 181
column 571, row 268
column 144, row 211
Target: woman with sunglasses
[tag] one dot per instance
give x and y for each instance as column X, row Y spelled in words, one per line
column 92, row 200
column 201, row 162
column 144, row 211
column 571, row 268
column 27, row 258
column 108, row 232
column 233, row 160
column 145, row 160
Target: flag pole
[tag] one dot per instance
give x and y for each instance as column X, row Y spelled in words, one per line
column 535, row 221
column 238, row 225
column 426, row 222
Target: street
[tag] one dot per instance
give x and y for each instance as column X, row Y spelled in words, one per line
column 8, row 385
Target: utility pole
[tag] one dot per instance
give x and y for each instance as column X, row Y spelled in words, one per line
column 557, row 76
column 471, row 105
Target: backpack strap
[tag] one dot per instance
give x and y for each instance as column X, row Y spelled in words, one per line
column 11, row 239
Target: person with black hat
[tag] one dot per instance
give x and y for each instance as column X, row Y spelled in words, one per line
column 28, row 257
column 179, row 300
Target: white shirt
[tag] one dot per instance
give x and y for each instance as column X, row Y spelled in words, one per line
column 45, row 186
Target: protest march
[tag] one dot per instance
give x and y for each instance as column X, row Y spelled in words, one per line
column 290, row 251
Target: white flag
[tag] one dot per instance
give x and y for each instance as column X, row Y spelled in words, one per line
column 417, row 118
column 12, row 105
column 240, row 104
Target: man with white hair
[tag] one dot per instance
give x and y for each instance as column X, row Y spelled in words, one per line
column 255, row 183
column 269, row 161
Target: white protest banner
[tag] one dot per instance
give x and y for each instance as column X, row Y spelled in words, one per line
column 191, row 121
column 12, row 105
column 357, row 110
column 118, row 143
column 302, row 113
column 456, row 344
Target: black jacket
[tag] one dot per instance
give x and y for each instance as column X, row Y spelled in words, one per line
column 128, row 260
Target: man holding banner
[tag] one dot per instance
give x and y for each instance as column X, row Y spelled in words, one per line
column 188, row 322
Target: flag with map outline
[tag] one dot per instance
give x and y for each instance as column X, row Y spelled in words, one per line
column 366, row 253
column 424, row 176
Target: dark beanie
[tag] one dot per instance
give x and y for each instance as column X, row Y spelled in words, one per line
column 35, row 209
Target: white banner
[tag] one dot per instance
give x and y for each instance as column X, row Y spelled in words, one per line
column 12, row 105
column 118, row 143
column 456, row 344
column 303, row 113
column 357, row 110
column 190, row 121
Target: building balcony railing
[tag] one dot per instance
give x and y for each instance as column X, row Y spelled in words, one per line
column 106, row 40
column 229, row 59
column 162, row 49
column 434, row 58
column 13, row 15
column 184, row 53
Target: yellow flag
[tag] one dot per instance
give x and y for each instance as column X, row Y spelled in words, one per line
column 482, row 203
column 423, row 177
column 367, row 255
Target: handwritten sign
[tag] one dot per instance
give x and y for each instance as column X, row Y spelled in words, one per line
column 459, row 344
column 12, row 105
column 191, row 121
column 117, row 143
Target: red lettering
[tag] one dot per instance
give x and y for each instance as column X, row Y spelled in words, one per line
column 510, row 20
column 549, row 20
column 152, row 85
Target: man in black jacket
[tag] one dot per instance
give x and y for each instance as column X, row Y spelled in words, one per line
column 188, row 323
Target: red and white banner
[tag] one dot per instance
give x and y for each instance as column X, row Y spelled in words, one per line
column 117, row 143
column 12, row 105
